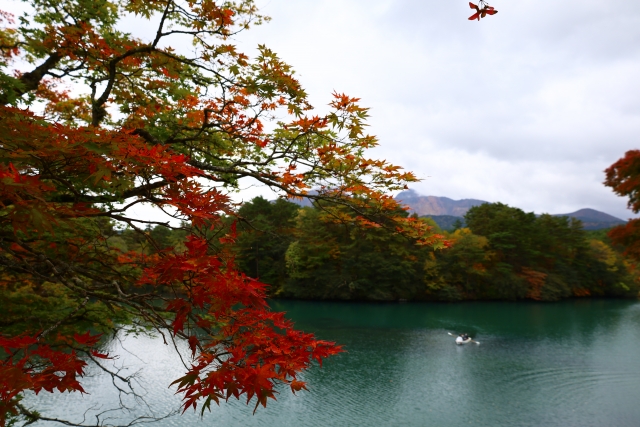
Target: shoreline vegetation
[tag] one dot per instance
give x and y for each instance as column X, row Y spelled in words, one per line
column 503, row 253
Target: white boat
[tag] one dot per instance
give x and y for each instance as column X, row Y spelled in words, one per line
column 461, row 341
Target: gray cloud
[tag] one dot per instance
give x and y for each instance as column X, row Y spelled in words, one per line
column 527, row 107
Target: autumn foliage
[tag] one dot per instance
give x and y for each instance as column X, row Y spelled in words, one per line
column 624, row 178
column 99, row 122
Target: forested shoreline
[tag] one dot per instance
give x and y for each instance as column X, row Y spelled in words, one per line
column 503, row 253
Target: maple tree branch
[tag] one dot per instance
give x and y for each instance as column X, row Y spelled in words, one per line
column 236, row 172
column 33, row 416
column 11, row 46
column 31, row 80
column 159, row 33
column 147, row 136
column 196, row 64
column 143, row 190
column 98, row 110
column 287, row 190
column 44, row 333
column 79, row 253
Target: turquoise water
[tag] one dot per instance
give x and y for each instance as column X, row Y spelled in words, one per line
column 573, row 363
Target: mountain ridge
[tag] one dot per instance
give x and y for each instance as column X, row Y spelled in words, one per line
column 436, row 205
column 439, row 208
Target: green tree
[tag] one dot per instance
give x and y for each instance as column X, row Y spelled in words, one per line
column 460, row 271
column 265, row 233
column 510, row 232
column 545, row 258
column 332, row 258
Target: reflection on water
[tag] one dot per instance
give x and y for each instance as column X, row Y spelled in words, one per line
column 564, row 364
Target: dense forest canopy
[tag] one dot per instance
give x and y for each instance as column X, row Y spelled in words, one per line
column 503, row 253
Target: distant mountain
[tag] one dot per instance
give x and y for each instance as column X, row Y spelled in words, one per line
column 433, row 205
column 305, row 203
column 445, row 211
column 593, row 219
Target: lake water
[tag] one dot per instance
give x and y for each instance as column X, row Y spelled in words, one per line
column 574, row 363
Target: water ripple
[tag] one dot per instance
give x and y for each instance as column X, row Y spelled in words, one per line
column 565, row 365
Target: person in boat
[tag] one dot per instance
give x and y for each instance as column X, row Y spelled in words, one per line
column 464, row 337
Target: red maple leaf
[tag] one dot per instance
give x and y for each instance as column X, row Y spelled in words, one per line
column 481, row 11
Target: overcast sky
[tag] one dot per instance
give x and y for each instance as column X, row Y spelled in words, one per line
column 526, row 107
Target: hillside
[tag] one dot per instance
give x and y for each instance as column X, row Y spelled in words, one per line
column 593, row 219
column 445, row 211
column 433, row 205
